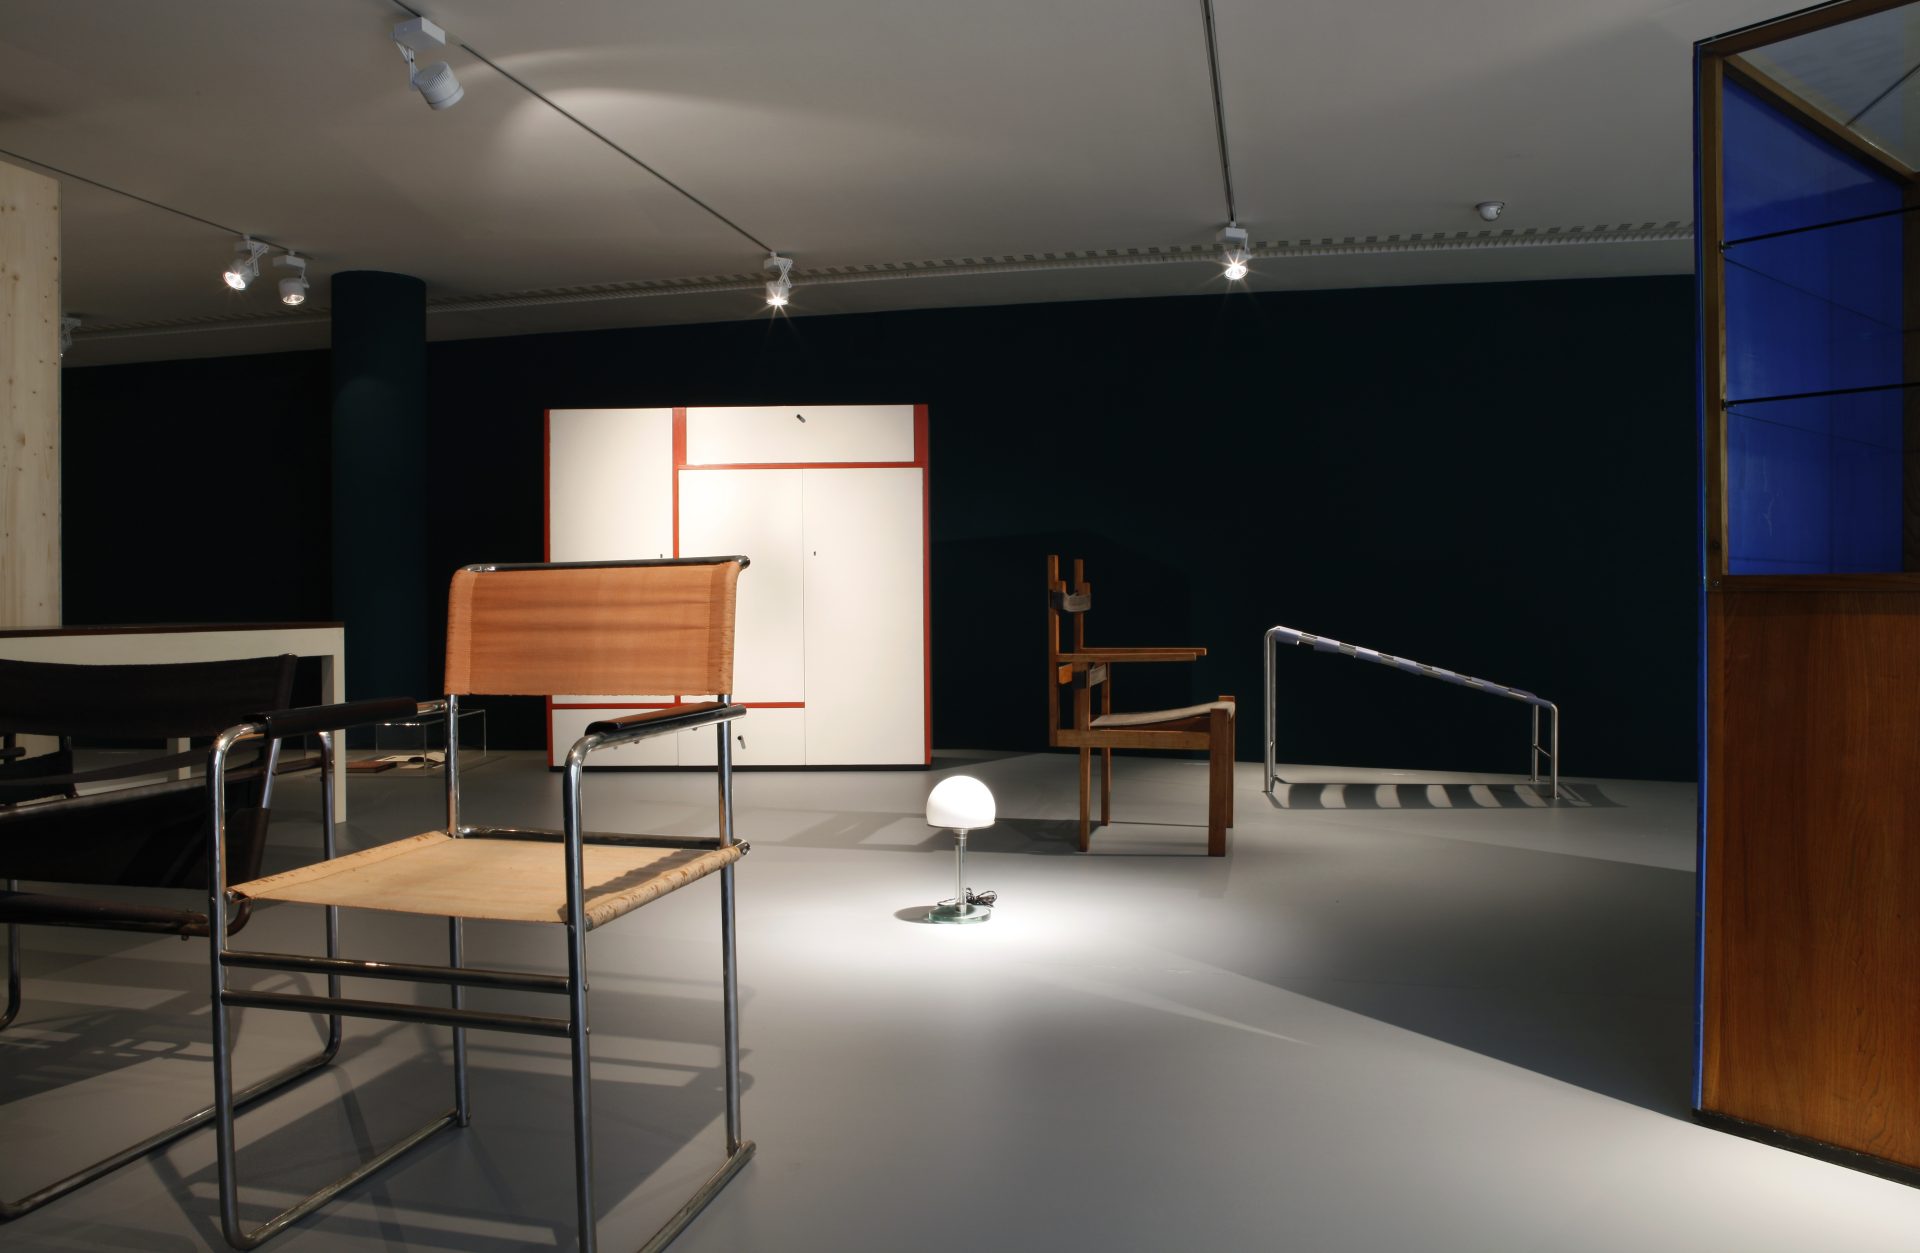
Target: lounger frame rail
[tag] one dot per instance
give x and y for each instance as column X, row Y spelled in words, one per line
column 1278, row 635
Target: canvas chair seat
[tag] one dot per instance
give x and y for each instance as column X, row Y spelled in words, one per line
column 503, row 880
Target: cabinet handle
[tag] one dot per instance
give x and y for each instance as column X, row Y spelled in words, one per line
column 801, row 416
column 743, row 741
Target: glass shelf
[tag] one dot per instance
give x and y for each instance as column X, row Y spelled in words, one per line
column 1810, row 227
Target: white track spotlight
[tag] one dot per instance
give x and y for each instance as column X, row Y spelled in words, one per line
column 436, row 84
column 1490, row 210
column 293, row 288
column 779, row 287
column 246, row 263
column 67, row 327
column 1233, row 252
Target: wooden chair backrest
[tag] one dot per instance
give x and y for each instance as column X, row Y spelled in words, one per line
column 652, row 627
column 1070, row 601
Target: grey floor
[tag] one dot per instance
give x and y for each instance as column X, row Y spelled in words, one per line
column 1407, row 1013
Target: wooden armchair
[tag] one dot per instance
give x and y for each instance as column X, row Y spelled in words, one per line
column 1081, row 669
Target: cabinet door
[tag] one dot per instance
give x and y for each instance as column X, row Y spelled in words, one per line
column 794, row 434
column 866, row 633
column 765, row 737
column 609, row 484
column 756, row 513
column 570, row 724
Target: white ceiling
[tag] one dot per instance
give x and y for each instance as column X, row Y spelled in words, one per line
column 844, row 133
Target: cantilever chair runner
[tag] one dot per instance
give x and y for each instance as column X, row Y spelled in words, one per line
column 645, row 626
column 1081, row 669
column 148, row 831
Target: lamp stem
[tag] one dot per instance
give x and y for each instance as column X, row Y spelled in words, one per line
column 960, row 869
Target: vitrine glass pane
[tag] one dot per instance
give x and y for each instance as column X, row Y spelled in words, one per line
column 1858, row 74
column 1814, row 254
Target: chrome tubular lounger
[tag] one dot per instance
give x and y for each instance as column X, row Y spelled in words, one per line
column 1279, row 635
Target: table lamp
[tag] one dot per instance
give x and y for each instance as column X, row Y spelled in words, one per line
column 961, row 804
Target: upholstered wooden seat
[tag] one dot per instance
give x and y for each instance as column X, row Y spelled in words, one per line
column 1162, row 717
column 1080, row 668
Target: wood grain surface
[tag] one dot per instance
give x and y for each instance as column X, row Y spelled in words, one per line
column 1812, row 942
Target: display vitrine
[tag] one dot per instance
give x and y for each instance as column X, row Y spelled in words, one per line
column 1810, row 682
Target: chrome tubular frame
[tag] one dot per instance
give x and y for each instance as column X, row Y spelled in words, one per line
column 1278, row 635
column 574, row 1026
column 13, row 966
column 10, row 1210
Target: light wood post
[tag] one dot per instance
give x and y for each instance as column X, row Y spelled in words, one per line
column 29, row 398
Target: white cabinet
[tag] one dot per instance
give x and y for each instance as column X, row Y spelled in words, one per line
column 829, row 503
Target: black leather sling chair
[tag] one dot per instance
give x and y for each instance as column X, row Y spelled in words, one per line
column 128, row 828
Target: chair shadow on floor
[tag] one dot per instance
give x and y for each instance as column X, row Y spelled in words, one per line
column 1308, row 794
column 1020, row 837
column 505, row 1182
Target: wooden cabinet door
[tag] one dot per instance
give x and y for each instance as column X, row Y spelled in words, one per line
column 864, row 557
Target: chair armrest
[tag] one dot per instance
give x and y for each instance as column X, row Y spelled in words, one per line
column 1092, row 656
column 652, row 722
column 352, row 713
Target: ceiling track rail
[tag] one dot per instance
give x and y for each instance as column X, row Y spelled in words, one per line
column 1572, row 237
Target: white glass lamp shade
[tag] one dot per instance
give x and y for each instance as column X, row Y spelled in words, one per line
column 961, row 803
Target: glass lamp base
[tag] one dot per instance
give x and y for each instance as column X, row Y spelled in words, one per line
column 957, row 911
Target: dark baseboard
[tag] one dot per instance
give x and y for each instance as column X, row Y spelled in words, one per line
column 1852, row 1159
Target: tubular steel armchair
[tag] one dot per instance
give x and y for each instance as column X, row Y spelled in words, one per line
column 643, row 626
column 148, row 833
column 1081, row 669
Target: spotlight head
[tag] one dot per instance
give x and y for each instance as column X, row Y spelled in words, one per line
column 1490, row 210
column 780, row 286
column 246, row 263
column 436, row 84
column 1233, row 252
column 293, row 288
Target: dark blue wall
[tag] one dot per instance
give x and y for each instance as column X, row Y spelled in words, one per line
column 1494, row 478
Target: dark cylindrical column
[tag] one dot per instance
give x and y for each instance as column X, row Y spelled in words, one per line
column 379, row 481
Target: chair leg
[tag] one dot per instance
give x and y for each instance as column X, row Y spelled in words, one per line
column 1086, row 768
column 1106, row 787
column 13, row 971
column 582, row 1086
column 1219, row 781
column 462, row 1111
column 1232, row 727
